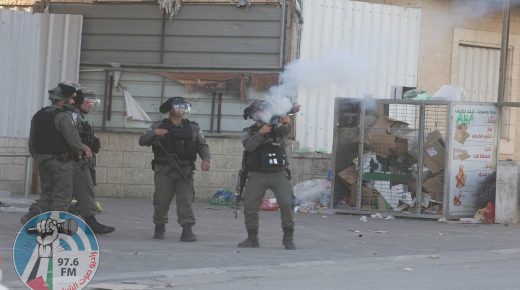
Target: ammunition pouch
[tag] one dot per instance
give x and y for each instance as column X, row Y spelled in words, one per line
column 271, row 158
column 96, row 144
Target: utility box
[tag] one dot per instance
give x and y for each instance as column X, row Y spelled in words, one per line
column 413, row 158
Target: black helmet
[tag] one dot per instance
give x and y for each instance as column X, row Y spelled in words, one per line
column 82, row 94
column 166, row 106
column 68, row 88
column 254, row 110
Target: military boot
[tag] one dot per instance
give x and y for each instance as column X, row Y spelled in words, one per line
column 97, row 228
column 288, row 239
column 187, row 235
column 251, row 241
column 34, row 210
column 159, row 232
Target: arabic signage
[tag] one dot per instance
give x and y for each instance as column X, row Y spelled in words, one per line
column 473, row 154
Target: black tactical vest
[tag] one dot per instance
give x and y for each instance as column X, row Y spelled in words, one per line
column 179, row 140
column 45, row 137
column 268, row 157
column 86, row 133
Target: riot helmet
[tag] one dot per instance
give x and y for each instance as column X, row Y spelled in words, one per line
column 260, row 110
column 176, row 106
column 86, row 100
column 69, row 88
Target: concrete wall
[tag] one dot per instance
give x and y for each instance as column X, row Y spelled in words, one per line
column 124, row 167
column 12, row 169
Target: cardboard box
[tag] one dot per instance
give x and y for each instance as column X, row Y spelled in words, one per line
column 382, row 141
column 379, row 132
column 434, row 152
column 398, row 146
column 435, row 186
column 349, row 175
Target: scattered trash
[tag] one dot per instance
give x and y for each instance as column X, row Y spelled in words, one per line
column 442, row 220
column 311, row 190
column 221, row 197
column 434, row 257
column 376, row 216
column 486, row 215
column 363, row 219
column 359, row 233
column 380, row 232
column 449, row 93
column 269, row 204
column 408, row 269
column 389, row 218
column 470, row 220
column 440, row 234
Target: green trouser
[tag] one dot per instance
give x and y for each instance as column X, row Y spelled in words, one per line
column 169, row 183
column 56, row 185
column 257, row 184
column 84, row 190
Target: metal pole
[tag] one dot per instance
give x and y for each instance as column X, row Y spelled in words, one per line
column 105, row 102
column 27, row 172
column 362, row 111
column 211, row 121
column 422, row 121
column 503, row 71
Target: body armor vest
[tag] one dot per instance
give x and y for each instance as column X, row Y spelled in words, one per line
column 179, row 140
column 268, row 157
column 87, row 136
column 45, row 136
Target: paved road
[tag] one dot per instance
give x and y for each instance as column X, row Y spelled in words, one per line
column 391, row 254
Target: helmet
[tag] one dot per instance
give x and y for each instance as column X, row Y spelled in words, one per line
column 88, row 95
column 259, row 110
column 55, row 94
column 68, row 89
column 82, row 94
column 179, row 104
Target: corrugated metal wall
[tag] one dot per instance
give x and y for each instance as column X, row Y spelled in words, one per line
column 388, row 36
column 146, row 90
column 199, row 36
column 37, row 51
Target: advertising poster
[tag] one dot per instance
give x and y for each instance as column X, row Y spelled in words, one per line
column 473, row 154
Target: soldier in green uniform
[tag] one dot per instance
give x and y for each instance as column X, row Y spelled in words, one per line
column 266, row 160
column 175, row 142
column 83, row 181
column 54, row 144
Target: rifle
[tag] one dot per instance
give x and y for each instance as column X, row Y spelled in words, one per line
column 173, row 159
column 241, row 182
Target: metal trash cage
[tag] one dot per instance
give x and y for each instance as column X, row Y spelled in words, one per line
column 406, row 156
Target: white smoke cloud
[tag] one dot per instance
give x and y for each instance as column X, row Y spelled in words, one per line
column 333, row 68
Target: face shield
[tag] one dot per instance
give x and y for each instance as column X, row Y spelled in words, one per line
column 91, row 104
column 182, row 109
column 87, row 101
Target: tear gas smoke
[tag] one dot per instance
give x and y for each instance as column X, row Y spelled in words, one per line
column 333, row 68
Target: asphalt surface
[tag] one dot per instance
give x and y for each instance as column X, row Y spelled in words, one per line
column 333, row 252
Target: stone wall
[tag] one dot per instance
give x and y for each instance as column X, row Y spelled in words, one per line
column 124, row 168
column 12, row 169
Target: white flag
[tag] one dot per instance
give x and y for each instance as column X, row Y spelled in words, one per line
column 135, row 116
